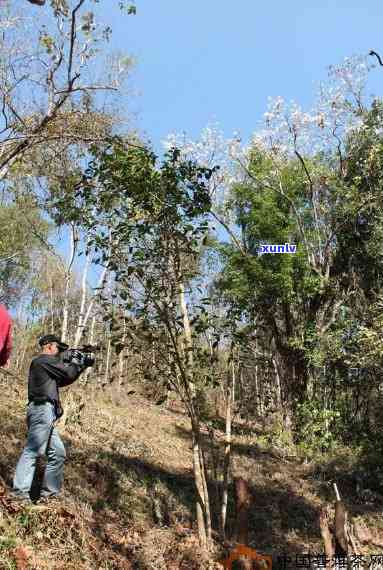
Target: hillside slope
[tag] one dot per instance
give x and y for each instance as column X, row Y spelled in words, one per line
column 128, row 491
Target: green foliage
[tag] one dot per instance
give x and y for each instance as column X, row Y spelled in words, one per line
column 149, row 223
column 265, row 217
column 318, row 428
column 313, row 307
column 129, row 7
column 278, row 436
column 22, row 227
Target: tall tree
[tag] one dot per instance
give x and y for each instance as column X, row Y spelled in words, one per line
column 47, row 88
column 156, row 217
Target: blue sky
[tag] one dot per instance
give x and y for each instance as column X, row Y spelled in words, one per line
column 217, row 61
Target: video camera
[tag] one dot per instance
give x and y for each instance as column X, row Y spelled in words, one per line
column 83, row 355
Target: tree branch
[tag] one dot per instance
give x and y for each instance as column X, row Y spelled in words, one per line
column 72, row 40
column 372, row 52
column 229, row 231
column 89, row 88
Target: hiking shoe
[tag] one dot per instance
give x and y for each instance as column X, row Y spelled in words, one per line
column 20, row 499
column 50, row 500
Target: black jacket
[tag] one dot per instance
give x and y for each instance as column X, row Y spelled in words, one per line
column 46, row 374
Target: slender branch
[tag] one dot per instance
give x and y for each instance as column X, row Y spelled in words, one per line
column 20, row 119
column 50, row 79
column 303, row 163
column 89, row 88
column 230, row 232
column 304, row 166
column 26, row 142
column 17, row 81
column 72, row 39
column 293, row 131
column 339, row 149
column 51, row 115
column 372, row 52
column 7, row 126
column 74, row 241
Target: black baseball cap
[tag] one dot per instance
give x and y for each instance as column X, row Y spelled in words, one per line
column 48, row 338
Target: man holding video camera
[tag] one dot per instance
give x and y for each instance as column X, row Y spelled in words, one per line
column 48, row 372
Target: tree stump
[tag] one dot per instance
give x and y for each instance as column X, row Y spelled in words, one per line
column 338, row 537
column 243, row 504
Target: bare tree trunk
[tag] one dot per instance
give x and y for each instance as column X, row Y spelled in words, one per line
column 203, row 502
column 227, row 456
column 52, row 306
column 121, row 360
column 233, row 383
column 100, row 286
column 107, row 363
column 243, row 504
column 257, row 392
column 326, row 422
column 187, row 330
column 68, row 275
column 20, row 360
column 200, row 505
column 324, row 525
column 278, row 383
column 43, row 321
column 338, row 538
column 206, row 495
column 81, row 318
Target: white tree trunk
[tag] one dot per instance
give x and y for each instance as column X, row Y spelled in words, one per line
column 68, row 276
column 99, row 287
column 107, row 363
column 203, row 502
column 278, row 383
column 121, row 360
column 84, row 315
column 200, row 503
column 52, row 306
column 81, row 318
column 227, row 455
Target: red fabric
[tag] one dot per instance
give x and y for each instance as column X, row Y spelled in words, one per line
column 5, row 336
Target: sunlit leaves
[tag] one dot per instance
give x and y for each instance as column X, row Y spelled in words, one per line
column 47, row 42
column 127, row 6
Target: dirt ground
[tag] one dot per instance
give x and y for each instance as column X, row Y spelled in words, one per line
column 128, row 492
